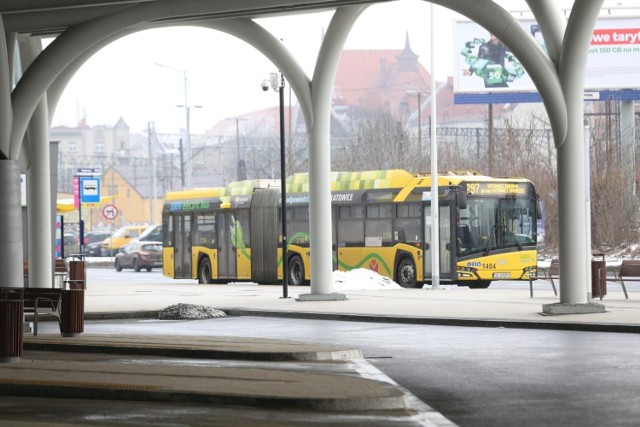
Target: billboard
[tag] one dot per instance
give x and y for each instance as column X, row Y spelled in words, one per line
column 484, row 64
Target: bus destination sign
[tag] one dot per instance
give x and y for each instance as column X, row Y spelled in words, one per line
column 496, row 188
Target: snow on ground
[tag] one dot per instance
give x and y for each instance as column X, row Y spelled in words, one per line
column 361, row 279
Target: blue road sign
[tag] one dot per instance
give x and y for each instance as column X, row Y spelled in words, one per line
column 90, row 189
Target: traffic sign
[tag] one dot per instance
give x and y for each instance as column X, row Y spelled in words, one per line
column 110, row 211
column 88, row 171
column 90, row 189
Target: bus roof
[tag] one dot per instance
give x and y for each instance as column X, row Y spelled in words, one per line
column 195, row 193
column 405, row 182
column 362, row 180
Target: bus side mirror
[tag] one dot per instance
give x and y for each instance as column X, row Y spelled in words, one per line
column 462, row 199
column 538, row 209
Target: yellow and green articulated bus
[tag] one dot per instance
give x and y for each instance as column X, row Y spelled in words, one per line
column 381, row 220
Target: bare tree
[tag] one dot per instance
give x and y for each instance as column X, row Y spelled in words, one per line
column 378, row 141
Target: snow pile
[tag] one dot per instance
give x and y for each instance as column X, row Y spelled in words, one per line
column 189, row 311
column 361, row 279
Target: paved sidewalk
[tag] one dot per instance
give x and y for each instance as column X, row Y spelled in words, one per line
column 450, row 305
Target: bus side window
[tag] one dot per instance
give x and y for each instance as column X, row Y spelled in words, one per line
column 407, row 223
column 168, row 227
column 465, row 238
column 204, row 233
column 350, row 226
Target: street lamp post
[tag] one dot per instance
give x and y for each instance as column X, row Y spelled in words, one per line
column 419, row 94
column 153, row 195
column 239, row 175
column 276, row 82
column 187, row 120
column 435, row 201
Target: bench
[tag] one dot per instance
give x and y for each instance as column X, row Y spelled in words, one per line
column 36, row 301
column 629, row 270
column 43, row 301
column 60, row 272
column 543, row 273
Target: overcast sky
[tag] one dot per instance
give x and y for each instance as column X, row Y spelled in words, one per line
column 224, row 73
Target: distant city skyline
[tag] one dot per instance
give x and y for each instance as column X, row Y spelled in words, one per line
column 224, row 73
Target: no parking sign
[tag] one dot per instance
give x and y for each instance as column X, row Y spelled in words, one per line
column 110, row 211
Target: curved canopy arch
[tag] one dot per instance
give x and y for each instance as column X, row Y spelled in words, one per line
column 241, row 28
column 80, row 42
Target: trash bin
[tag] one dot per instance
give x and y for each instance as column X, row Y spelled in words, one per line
column 11, row 323
column 72, row 312
column 598, row 280
column 77, row 274
column 72, row 316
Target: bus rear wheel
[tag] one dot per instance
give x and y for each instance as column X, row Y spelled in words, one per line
column 205, row 275
column 296, row 271
column 406, row 273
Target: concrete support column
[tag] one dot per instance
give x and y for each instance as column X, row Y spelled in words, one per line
column 39, row 202
column 6, row 115
column 320, row 154
column 10, row 224
column 573, row 161
column 573, row 185
column 10, row 206
column 38, row 183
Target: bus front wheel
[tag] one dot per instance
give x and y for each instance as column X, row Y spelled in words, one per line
column 296, row 271
column 406, row 273
column 204, row 272
column 479, row 284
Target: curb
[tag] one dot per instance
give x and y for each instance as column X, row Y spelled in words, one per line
column 221, row 348
column 442, row 321
column 411, row 320
column 279, row 388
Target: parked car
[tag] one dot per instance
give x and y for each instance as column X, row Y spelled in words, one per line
column 139, row 255
column 121, row 237
column 93, row 242
column 153, row 233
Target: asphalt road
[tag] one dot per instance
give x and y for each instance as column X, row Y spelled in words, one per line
column 473, row 376
column 109, row 274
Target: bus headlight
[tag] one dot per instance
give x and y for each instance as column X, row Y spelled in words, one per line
column 466, row 272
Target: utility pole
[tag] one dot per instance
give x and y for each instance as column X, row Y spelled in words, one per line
column 181, row 165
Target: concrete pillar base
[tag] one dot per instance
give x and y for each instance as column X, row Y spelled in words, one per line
column 559, row 308
column 322, row 297
column 70, row 334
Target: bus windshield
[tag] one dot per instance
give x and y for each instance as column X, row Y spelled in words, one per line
column 494, row 224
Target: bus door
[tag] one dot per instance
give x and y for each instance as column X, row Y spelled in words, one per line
column 334, row 237
column 182, row 227
column 446, row 247
column 226, row 250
